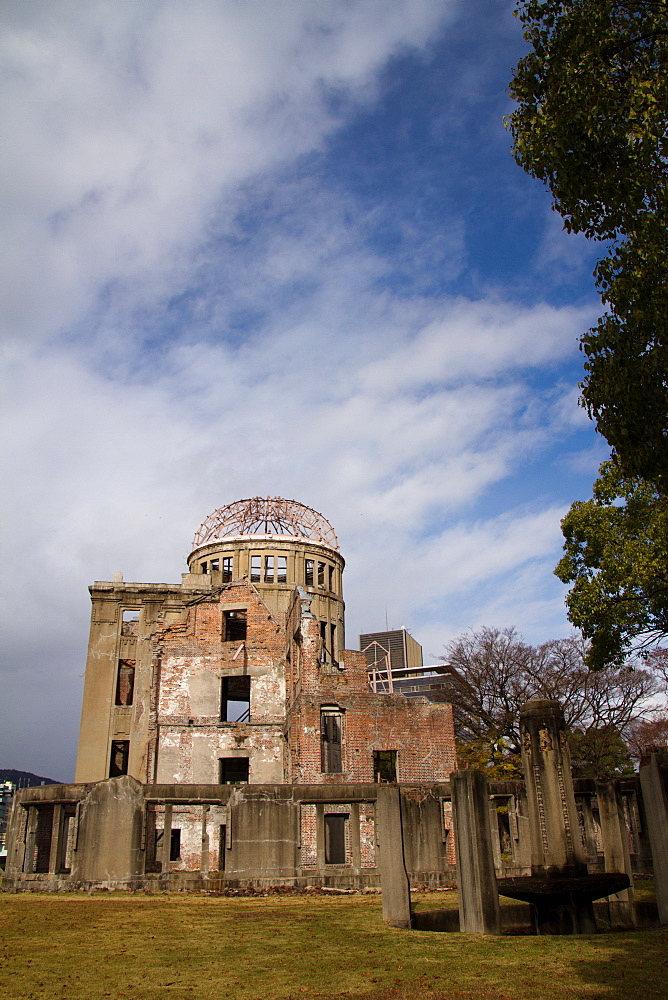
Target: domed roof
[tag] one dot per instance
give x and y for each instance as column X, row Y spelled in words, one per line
column 266, row 516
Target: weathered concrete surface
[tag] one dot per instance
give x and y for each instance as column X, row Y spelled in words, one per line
column 109, row 841
column 654, row 782
column 264, row 835
column 556, row 845
column 393, row 875
column 616, row 849
column 476, row 877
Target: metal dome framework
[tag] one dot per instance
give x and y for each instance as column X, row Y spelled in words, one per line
column 266, row 516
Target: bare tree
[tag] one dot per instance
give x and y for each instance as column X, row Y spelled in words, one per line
column 648, row 735
column 491, row 672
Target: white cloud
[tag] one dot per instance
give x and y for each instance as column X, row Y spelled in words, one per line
column 152, row 200
column 131, row 125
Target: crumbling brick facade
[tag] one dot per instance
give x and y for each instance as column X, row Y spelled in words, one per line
column 239, row 675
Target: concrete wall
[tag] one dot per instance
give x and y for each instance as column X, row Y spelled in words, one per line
column 106, row 833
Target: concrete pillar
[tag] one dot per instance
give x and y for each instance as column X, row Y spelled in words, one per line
column 31, row 834
column 56, row 839
column 204, row 863
column 320, row 836
column 556, row 845
column 167, row 838
column 520, row 828
column 355, row 848
column 393, row 876
column 616, row 849
column 476, row 877
column 653, row 781
column 494, row 833
column 591, row 851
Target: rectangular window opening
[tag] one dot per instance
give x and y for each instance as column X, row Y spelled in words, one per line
column 235, row 699
column 234, row 770
column 384, row 765
column 227, row 569
column 125, row 682
column 222, row 847
column 215, row 565
column 120, row 754
column 256, row 569
column 130, row 621
column 234, row 625
column 331, row 577
column 268, row 569
column 335, row 838
column 282, row 575
column 175, row 845
column 204, row 567
column 321, row 574
column 42, row 850
column 308, row 573
column 331, row 743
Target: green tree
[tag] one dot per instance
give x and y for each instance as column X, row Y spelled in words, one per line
column 599, row 753
column 592, row 123
column 616, row 555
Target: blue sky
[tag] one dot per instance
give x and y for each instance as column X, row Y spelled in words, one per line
column 278, row 248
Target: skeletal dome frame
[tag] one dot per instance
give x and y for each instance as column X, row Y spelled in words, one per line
column 266, row 516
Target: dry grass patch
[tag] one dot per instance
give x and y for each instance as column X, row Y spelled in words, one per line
column 175, row 947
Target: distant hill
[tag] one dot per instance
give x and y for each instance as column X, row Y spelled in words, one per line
column 25, row 779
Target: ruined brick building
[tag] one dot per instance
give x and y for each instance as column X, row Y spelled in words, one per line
column 239, row 673
column 228, row 738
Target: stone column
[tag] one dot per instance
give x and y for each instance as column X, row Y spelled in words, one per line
column 393, row 877
column 556, row 845
column 355, row 846
column 653, row 781
column 204, row 863
column 56, row 839
column 616, row 849
column 476, row 878
column 166, row 839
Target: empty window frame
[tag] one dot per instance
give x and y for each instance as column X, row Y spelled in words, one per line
column 331, row 741
column 256, row 569
column 335, row 838
column 282, row 570
column 330, row 571
column 268, row 569
column 175, row 845
column 384, row 765
column 130, row 621
column 234, row 625
column 227, row 569
column 41, row 846
column 321, row 574
column 327, row 642
column 215, row 565
column 308, row 572
column 235, row 699
column 125, row 682
column 222, row 847
column 119, row 757
column 233, row 770
column 204, row 567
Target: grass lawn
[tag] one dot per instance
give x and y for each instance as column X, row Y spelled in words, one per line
column 178, row 946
